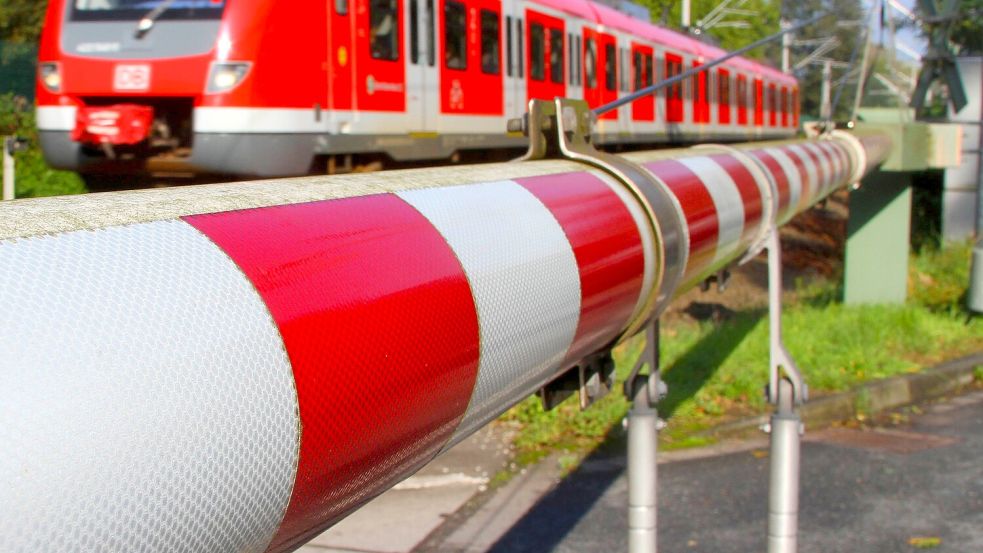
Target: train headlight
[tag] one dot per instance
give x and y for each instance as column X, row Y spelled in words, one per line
column 226, row 75
column 50, row 74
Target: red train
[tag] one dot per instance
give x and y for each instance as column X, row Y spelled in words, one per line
column 259, row 87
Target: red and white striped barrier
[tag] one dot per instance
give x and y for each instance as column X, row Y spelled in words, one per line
column 237, row 367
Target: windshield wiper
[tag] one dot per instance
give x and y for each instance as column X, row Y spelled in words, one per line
column 147, row 21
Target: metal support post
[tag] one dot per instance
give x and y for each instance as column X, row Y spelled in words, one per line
column 644, row 391
column 8, row 167
column 825, row 104
column 786, row 49
column 786, row 390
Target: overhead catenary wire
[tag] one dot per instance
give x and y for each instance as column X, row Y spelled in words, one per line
column 652, row 89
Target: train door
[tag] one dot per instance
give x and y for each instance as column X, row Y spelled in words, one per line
column 545, row 56
column 421, row 76
column 723, row 97
column 759, row 97
column 380, row 66
column 701, row 106
column 642, row 66
column 772, row 106
column 471, row 81
column 674, row 92
column 341, row 94
column 741, row 100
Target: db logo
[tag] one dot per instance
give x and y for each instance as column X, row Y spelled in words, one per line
column 132, row 77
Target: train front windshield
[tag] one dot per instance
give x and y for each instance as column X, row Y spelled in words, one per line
column 134, row 10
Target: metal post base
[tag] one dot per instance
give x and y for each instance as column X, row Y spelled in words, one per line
column 644, row 391
column 783, row 491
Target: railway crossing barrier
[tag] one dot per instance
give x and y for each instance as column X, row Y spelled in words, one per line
column 239, row 366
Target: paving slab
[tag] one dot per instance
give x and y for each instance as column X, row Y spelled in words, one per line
column 398, row 520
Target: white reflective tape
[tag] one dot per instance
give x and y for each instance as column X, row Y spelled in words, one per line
column 826, row 166
column 727, row 201
column 811, row 175
column 794, row 182
column 525, row 282
column 146, row 400
column 258, row 120
column 56, row 118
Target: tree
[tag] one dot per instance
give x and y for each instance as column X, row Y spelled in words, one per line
column 667, row 13
column 21, row 20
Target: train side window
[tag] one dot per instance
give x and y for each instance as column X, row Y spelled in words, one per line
column 590, row 54
column 414, row 33
column 521, row 57
column 741, row 100
column 556, row 56
column 490, row 39
column 508, row 45
column 537, row 52
column 723, row 96
column 637, row 69
column 610, row 67
column 431, row 38
column 571, row 62
column 648, row 71
column 383, row 30
column 455, row 35
column 580, row 61
column 341, row 7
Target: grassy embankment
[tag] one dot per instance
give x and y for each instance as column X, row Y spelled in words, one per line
column 716, row 371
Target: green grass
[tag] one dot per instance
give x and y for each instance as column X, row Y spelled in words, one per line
column 716, row 372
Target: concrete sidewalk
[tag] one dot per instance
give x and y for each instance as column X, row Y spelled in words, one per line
column 398, row 520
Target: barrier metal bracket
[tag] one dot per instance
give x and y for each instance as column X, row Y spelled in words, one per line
column 562, row 128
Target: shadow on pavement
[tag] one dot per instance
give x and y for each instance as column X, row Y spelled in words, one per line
column 546, row 525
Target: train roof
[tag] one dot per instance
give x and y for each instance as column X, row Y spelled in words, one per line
column 609, row 17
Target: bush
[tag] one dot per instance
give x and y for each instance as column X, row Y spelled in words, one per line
column 34, row 177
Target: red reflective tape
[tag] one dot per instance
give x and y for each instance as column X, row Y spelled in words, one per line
column 699, row 209
column 781, row 180
column 748, row 188
column 380, row 327
column 608, row 249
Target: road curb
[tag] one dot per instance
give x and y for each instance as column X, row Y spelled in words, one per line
column 869, row 398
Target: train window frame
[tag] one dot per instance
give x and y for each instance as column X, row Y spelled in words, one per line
column 610, row 67
column 384, row 49
column 590, row 64
column 571, row 62
column 537, row 54
column 491, row 62
column 521, row 43
column 431, row 23
column 555, row 38
column 509, row 65
column 580, row 60
column 649, row 70
column 341, row 7
column 741, row 94
column 414, row 7
column 724, row 96
column 459, row 34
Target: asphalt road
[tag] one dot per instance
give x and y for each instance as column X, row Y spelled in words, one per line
column 869, row 490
